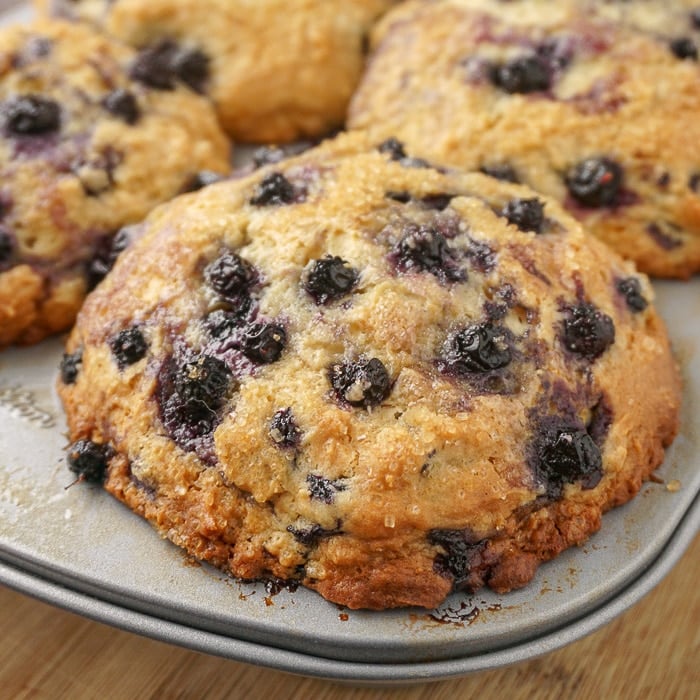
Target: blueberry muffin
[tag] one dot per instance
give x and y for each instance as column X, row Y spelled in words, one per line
column 379, row 379
column 85, row 150
column 277, row 70
column 580, row 100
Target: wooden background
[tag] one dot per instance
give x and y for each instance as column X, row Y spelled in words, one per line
column 652, row 652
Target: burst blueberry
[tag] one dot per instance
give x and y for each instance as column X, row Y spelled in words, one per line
column 595, row 182
column 364, row 383
column 329, row 278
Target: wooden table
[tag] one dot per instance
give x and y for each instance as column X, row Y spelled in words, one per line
column 651, row 652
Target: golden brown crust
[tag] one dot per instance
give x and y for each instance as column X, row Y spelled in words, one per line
column 450, row 478
column 609, row 87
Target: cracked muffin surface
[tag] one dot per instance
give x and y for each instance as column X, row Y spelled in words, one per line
column 276, row 70
column 85, row 150
column 379, row 379
column 592, row 103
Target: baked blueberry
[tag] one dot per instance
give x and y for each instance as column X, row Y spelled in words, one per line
column 107, row 251
column 153, row 66
column 323, row 489
column 684, row 47
column 522, row 75
column 501, row 171
column 128, row 346
column 566, row 455
column 526, row 214
column 89, row 460
column 230, row 275
column 364, row 383
column 394, row 148
column 31, row 115
column 191, row 66
column 595, row 182
column 631, row 289
column 273, row 190
column 462, row 558
column 425, row 249
column 122, row 103
column 70, row 366
column 329, row 278
column 190, row 396
column 587, row 331
column 283, row 429
column 202, row 179
column 264, row 342
column 7, row 244
column 230, row 322
column 480, row 347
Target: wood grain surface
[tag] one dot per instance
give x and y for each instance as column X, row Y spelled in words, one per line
column 652, row 652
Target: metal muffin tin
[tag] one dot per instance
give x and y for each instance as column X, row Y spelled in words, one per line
column 76, row 547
